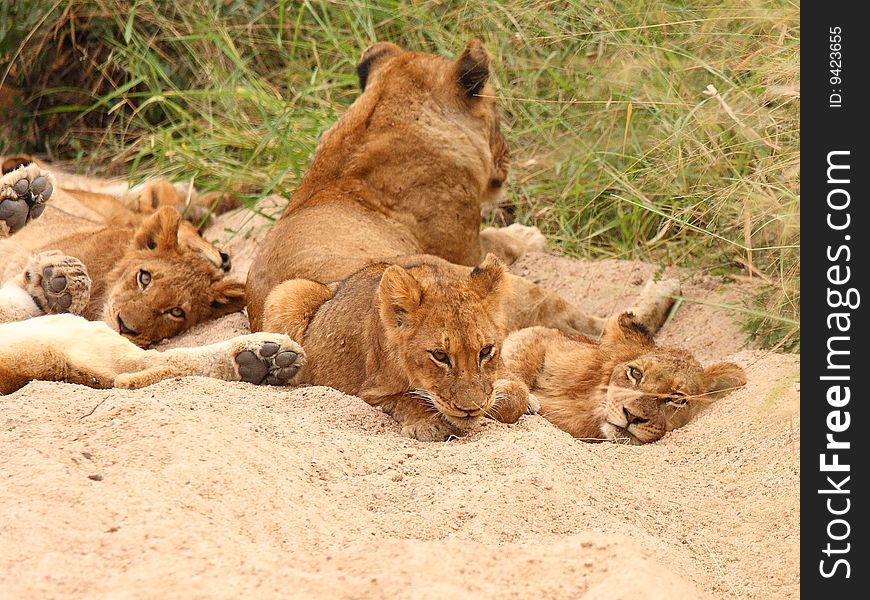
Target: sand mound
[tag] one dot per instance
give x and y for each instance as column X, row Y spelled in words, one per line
column 196, row 488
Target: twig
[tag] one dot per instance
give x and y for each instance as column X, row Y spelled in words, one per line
column 94, row 408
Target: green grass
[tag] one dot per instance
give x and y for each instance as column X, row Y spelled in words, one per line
column 617, row 150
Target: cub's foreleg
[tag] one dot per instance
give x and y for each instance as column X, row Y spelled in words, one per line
column 511, row 242
column 653, row 304
column 417, row 419
column 529, row 304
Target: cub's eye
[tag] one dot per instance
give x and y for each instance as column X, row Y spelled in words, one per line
column 176, row 312
column 634, row 374
column 678, row 400
column 440, row 356
column 144, row 278
column 486, row 352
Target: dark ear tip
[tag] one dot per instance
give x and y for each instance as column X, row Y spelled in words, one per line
column 489, row 263
column 628, row 320
column 473, row 66
column 372, row 55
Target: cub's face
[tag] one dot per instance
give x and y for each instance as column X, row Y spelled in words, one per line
column 170, row 280
column 661, row 391
column 447, row 333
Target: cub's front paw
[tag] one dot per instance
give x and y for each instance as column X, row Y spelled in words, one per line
column 23, row 194
column 431, row 429
column 57, row 283
column 269, row 359
column 510, row 400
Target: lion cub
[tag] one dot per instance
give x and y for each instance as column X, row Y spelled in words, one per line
column 69, row 348
column 147, row 273
column 420, row 338
column 620, row 388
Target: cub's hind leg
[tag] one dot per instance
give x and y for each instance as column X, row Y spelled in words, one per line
column 70, row 348
column 511, row 242
column 290, row 306
column 60, row 348
column 24, row 192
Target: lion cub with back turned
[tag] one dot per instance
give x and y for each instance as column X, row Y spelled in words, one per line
column 622, row 387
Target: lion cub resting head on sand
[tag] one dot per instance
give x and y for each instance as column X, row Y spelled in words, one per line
column 621, row 388
column 420, row 338
column 147, row 273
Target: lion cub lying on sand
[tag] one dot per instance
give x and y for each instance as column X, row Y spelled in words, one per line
column 420, row 338
column 621, row 388
column 72, row 349
column 417, row 336
column 147, row 273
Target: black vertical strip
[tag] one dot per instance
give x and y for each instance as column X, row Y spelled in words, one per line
column 835, row 227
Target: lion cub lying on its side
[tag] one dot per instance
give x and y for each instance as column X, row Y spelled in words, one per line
column 147, row 273
column 621, row 388
column 72, row 349
column 420, row 338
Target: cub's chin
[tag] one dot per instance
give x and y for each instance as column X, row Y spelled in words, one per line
column 620, row 435
column 461, row 423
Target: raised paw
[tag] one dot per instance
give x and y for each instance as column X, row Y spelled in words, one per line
column 655, row 301
column 23, row 194
column 57, row 283
column 661, row 289
column 270, row 359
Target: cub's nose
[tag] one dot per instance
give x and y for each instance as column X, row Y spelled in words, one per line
column 123, row 329
column 226, row 265
column 632, row 418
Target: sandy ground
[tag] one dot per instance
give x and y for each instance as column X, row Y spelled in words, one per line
column 196, row 488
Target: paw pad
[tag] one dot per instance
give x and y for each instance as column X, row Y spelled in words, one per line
column 58, row 283
column 23, row 194
column 268, row 365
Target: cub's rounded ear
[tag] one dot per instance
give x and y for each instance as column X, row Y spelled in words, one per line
column 488, row 279
column 721, row 379
column 626, row 328
column 159, row 231
column 399, row 295
column 226, row 297
column 10, row 163
column 472, row 68
column 372, row 58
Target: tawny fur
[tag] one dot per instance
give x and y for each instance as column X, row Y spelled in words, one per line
column 115, row 239
column 622, row 387
column 72, row 349
column 406, row 171
column 421, row 339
